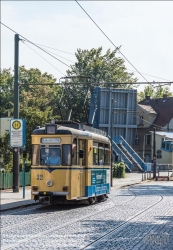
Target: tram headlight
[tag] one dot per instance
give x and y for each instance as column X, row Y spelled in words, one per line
column 49, row 183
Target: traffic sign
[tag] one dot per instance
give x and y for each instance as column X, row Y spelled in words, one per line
column 16, row 133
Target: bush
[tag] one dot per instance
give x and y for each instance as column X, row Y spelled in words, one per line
column 118, row 170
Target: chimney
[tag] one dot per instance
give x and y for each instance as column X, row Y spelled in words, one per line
column 164, row 98
column 147, row 98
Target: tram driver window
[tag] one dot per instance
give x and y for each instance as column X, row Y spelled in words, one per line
column 50, row 155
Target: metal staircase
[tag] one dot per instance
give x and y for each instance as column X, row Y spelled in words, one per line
column 124, row 158
column 126, row 151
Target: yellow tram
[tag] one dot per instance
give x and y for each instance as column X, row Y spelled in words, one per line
column 70, row 162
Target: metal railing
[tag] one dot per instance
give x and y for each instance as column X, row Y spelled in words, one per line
column 147, row 175
column 6, row 180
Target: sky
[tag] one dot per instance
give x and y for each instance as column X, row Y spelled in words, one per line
column 143, row 29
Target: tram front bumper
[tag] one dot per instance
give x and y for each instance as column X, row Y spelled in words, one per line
column 47, row 198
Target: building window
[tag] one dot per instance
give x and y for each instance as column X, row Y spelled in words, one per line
column 141, row 121
column 147, row 139
column 167, row 146
column 137, row 140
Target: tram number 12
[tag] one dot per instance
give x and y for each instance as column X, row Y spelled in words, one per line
column 39, row 177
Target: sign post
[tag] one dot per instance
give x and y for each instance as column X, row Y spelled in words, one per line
column 17, row 141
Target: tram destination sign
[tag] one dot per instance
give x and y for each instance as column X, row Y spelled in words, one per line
column 16, row 133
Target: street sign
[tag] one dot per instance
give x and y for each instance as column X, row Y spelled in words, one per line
column 16, row 133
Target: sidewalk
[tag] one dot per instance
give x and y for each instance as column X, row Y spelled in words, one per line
column 131, row 179
column 10, row 200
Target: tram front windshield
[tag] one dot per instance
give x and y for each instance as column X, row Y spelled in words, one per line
column 50, row 155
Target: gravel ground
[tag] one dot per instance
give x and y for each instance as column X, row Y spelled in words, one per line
column 137, row 218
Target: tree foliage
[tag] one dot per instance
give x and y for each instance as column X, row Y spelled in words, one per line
column 6, row 152
column 105, row 70
column 155, row 92
column 38, row 103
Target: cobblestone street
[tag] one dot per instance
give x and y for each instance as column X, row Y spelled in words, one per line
column 138, row 217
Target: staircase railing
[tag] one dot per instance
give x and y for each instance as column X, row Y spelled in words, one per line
column 130, row 157
column 117, row 150
column 120, row 140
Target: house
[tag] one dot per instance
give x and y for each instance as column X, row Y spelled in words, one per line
column 152, row 113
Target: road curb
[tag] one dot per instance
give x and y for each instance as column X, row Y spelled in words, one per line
column 16, row 207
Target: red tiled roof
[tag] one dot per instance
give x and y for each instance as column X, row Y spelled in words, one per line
column 163, row 107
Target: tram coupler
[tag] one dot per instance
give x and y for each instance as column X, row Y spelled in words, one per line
column 45, row 200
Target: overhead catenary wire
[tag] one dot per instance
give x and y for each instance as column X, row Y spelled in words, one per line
column 46, row 51
column 55, row 49
column 43, row 58
column 34, row 44
column 111, row 41
column 73, row 62
column 59, row 56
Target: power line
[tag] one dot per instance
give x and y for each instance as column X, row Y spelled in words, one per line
column 111, row 41
column 150, row 75
column 73, row 62
column 34, row 44
column 55, row 49
column 59, row 55
column 46, row 51
column 43, row 58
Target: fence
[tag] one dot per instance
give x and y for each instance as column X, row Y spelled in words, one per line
column 6, row 180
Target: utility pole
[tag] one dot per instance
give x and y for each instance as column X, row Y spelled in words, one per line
column 16, row 113
column 154, row 153
column 111, row 120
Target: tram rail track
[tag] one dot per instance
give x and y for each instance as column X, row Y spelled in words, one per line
column 89, row 246
column 85, row 217
column 65, row 224
column 63, row 212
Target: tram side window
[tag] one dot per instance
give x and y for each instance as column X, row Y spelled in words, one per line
column 101, row 154
column 66, row 154
column 74, row 152
column 95, row 153
column 107, row 154
column 35, row 155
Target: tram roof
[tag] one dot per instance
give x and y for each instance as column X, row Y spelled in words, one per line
column 81, row 131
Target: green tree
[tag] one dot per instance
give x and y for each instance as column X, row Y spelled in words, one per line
column 155, row 92
column 38, row 103
column 6, row 92
column 106, row 70
column 6, row 152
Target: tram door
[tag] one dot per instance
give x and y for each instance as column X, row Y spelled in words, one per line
column 82, row 163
